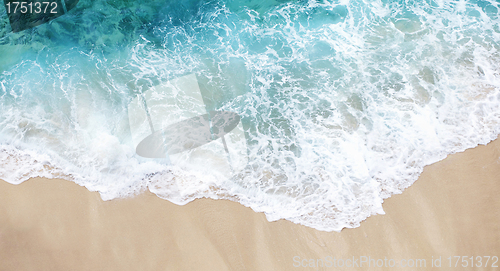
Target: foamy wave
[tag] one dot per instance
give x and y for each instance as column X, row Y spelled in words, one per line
column 343, row 103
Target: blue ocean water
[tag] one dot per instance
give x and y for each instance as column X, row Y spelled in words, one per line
column 343, row 102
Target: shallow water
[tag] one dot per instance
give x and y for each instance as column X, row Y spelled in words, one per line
column 342, row 103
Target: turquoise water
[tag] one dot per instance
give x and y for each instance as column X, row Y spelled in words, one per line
column 342, row 102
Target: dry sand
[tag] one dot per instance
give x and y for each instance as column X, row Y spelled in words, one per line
column 452, row 210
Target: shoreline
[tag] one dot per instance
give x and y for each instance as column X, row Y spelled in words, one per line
column 453, row 209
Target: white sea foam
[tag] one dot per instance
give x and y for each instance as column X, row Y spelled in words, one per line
column 343, row 103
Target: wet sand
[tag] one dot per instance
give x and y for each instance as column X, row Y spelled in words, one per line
column 452, row 210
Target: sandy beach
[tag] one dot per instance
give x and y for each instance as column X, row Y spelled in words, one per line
column 452, row 210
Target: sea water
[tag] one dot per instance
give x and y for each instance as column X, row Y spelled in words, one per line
column 342, row 102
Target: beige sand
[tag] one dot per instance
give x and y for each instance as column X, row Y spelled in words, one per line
column 452, row 210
